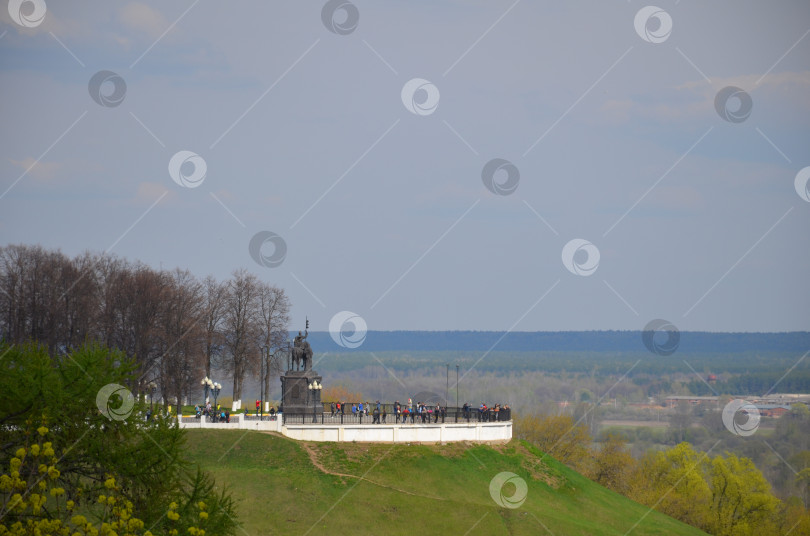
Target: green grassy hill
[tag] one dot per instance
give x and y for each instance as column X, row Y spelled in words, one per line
column 289, row 487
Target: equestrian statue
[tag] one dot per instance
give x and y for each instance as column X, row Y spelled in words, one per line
column 302, row 351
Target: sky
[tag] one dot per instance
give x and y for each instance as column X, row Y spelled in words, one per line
column 438, row 165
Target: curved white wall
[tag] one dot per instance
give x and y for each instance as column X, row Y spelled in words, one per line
column 476, row 432
column 500, row 432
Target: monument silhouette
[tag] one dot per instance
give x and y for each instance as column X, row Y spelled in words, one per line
column 297, row 394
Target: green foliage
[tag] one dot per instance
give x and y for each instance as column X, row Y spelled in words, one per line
column 559, row 436
column 673, row 482
column 146, row 459
column 612, row 465
column 756, row 382
column 724, row 495
column 652, row 368
column 32, row 503
column 613, row 342
column 742, row 502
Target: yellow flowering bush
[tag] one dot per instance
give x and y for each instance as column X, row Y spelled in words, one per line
column 33, row 504
column 63, row 457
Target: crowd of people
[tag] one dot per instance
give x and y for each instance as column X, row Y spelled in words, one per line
column 418, row 412
column 214, row 415
column 402, row 413
column 485, row 414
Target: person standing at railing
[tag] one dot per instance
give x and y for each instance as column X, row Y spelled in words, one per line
column 396, row 412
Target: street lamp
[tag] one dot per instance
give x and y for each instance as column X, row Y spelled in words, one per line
column 314, row 387
column 447, row 383
column 456, row 392
column 216, row 389
column 261, row 380
column 206, row 383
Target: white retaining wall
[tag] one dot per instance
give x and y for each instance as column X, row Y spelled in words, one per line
column 237, row 423
column 477, row 432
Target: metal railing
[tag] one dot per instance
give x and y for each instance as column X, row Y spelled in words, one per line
column 387, row 415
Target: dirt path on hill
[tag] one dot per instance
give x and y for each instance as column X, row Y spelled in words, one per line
column 313, row 456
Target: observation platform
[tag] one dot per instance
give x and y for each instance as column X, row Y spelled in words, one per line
column 328, row 428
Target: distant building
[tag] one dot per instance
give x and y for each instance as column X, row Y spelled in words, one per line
column 674, row 400
column 772, row 410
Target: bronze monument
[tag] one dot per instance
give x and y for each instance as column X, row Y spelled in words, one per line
column 301, row 385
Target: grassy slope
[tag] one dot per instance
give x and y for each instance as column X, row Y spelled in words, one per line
column 409, row 489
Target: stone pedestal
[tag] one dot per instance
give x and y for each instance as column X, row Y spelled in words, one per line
column 296, row 398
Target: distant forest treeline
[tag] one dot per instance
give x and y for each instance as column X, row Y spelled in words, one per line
column 691, row 342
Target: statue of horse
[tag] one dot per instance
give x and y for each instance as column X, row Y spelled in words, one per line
column 302, row 357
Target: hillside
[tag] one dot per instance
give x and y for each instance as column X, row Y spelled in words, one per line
column 289, row 487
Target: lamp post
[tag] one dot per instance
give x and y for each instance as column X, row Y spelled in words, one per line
column 447, row 384
column 206, row 383
column 456, row 392
column 314, row 387
column 261, row 380
column 215, row 390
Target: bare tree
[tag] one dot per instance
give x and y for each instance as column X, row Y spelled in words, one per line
column 79, row 295
column 274, row 313
column 108, row 271
column 13, row 260
column 137, row 296
column 241, row 327
column 173, row 325
column 214, row 301
column 180, row 342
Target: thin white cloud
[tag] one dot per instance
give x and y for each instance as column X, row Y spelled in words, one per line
column 143, row 19
column 695, row 98
column 38, row 170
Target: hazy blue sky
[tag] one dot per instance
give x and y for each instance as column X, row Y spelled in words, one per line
column 608, row 111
